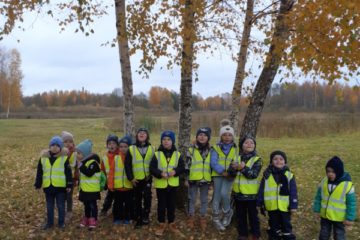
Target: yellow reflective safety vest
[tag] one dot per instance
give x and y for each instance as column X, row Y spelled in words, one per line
column 200, row 168
column 225, row 160
column 333, row 205
column 90, row 184
column 141, row 165
column 53, row 174
column 166, row 166
column 244, row 185
column 72, row 163
column 272, row 198
column 120, row 178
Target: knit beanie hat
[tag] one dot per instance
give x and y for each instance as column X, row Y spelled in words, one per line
column 126, row 139
column 205, row 130
column 112, row 137
column 244, row 139
column 169, row 134
column 337, row 165
column 85, row 147
column 226, row 128
column 66, row 136
column 278, row 152
column 56, row 140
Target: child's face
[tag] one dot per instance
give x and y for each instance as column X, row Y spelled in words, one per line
column 227, row 138
column 142, row 136
column 79, row 156
column 278, row 161
column 123, row 147
column 202, row 138
column 330, row 173
column 248, row 146
column 55, row 149
column 166, row 142
column 68, row 143
column 112, row 146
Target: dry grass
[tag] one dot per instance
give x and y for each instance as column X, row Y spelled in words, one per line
column 22, row 208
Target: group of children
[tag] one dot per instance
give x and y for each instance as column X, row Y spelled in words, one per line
column 128, row 171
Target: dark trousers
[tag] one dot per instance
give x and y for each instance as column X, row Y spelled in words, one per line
column 69, row 200
column 327, row 226
column 166, row 204
column 142, row 196
column 91, row 210
column 280, row 225
column 59, row 197
column 108, row 201
column 121, row 209
column 246, row 210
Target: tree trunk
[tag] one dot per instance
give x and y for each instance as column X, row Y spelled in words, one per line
column 127, row 84
column 188, row 36
column 280, row 35
column 240, row 71
column 9, row 102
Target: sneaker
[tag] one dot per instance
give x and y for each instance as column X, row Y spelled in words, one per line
column 126, row 222
column 46, row 227
column 62, row 226
column 84, row 222
column 218, row 225
column 117, row 222
column 146, row 221
column 227, row 218
column 92, row 223
column 138, row 224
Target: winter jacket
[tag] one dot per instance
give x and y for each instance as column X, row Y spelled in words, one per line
column 89, row 171
column 249, row 173
column 351, row 200
column 156, row 172
column 214, row 157
column 52, row 158
column 293, row 196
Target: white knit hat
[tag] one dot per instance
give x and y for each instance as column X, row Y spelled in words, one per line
column 67, row 136
column 227, row 129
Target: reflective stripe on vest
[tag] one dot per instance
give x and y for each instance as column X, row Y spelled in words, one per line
column 72, row 162
column 53, row 174
column 200, row 168
column 333, row 205
column 90, row 184
column 225, row 160
column 244, row 185
column 165, row 166
column 140, row 164
column 120, row 179
column 272, row 198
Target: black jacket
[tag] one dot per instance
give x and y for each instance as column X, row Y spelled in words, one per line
column 89, row 171
column 52, row 158
column 156, row 172
column 129, row 165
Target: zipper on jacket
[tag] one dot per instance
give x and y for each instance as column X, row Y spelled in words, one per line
column 327, row 202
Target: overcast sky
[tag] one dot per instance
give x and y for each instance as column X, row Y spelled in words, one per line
column 65, row 61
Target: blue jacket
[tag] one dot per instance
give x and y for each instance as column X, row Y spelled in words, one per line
column 293, row 197
column 214, row 157
column 350, row 199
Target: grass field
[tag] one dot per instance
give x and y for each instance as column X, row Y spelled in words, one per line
column 22, row 208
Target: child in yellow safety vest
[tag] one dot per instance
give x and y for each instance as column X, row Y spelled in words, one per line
column 68, row 140
column 246, row 171
column 278, row 196
column 89, row 183
column 166, row 166
column 198, row 178
column 335, row 201
column 54, row 176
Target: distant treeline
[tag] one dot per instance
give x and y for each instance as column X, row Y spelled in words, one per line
column 290, row 96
